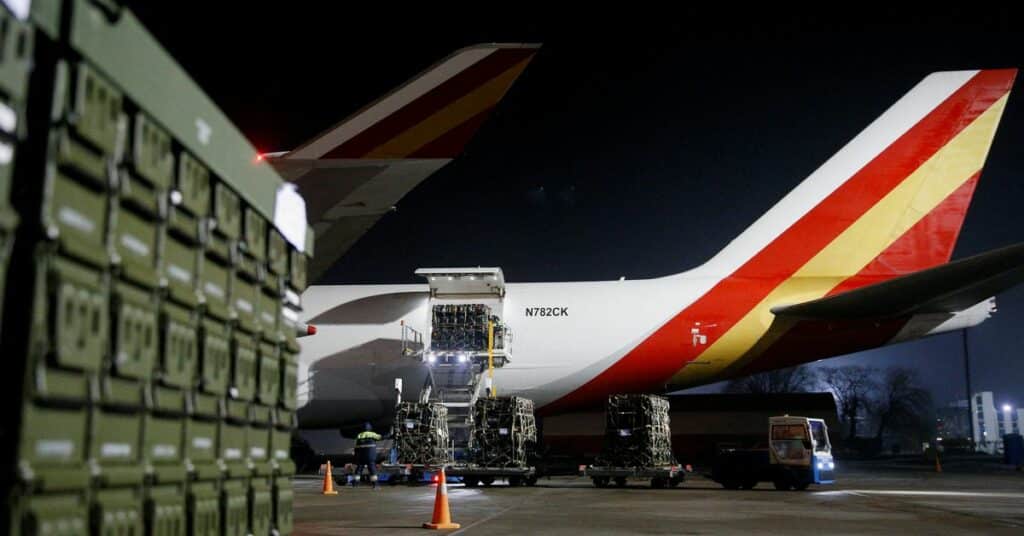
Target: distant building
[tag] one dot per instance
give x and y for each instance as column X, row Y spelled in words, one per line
column 992, row 422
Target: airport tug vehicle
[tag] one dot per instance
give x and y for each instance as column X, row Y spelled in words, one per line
column 488, row 437
column 799, row 454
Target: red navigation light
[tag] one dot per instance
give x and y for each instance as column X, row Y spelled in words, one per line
column 259, row 157
column 310, row 329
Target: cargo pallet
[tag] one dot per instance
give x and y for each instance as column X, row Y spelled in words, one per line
column 472, row 475
column 660, row 477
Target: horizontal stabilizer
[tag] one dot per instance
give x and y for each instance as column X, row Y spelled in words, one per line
column 948, row 288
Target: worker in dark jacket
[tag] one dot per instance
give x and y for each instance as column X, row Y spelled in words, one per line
column 366, row 455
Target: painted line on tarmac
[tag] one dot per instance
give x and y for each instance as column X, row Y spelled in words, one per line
column 494, row 515
column 919, row 493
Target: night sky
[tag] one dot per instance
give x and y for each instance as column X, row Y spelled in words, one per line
column 632, row 146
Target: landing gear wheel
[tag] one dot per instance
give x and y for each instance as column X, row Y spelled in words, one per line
column 487, row 480
column 531, row 480
column 620, row 481
column 471, row 482
column 801, row 486
column 749, row 484
column 675, row 481
column 515, row 481
column 658, row 482
column 600, row 481
column 782, row 485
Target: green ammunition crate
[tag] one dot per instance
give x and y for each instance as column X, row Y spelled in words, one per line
column 180, row 336
column 227, row 211
column 261, row 508
column 166, row 510
column 269, row 315
column 181, row 261
column 194, row 185
column 234, row 497
column 204, row 509
column 139, row 195
column 247, row 266
column 244, row 370
column 96, row 110
column 135, row 238
column 136, row 334
column 215, row 280
column 258, row 445
column 284, row 419
column 297, row 270
column 218, row 247
column 280, row 450
column 206, row 406
column 118, row 511
column 162, row 452
column 68, row 350
column 231, row 442
column 53, row 515
column 15, row 65
column 255, row 234
column 283, row 498
column 245, row 295
column 289, row 379
column 151, row 152
column 52, row 453
column 262, row 415
column 114, row 447
column 277, row 253
column 201, row 448
column 269, row 374
column 216, row 358
column 75, row 215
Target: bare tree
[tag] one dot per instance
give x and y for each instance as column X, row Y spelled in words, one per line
column 799, row 379
column 852, row 386
column 901, row 402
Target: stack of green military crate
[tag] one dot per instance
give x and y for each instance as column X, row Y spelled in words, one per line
column 15, row 60
column 159, row 378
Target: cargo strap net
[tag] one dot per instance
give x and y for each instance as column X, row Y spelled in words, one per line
column 504, row 433
column 421, row 433
column 637, row 432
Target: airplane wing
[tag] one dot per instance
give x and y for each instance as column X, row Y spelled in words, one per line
column 356, row 171
column 948, row 288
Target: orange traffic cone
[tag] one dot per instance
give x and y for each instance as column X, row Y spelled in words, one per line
column 938, row 466
column 442, row 516
column 329, row 481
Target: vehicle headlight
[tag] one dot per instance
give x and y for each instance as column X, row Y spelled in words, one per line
column 831, row 465
column 821, row 465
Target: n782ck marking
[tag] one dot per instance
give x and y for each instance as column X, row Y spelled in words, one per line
column 547, row 311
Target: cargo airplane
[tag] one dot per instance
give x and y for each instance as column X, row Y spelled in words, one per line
column 857, row 256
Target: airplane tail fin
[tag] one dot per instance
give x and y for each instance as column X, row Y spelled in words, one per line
column 892, row 200
column 433, row 115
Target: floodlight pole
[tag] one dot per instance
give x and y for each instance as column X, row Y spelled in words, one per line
column 967, row 377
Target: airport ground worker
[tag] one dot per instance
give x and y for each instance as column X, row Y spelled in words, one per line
column 366, row 455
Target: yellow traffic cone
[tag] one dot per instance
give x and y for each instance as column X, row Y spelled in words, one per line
column 329, row 481
column 442, row 515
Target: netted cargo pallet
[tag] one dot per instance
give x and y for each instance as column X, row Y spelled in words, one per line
column 504, row 432
column 463, row 327
column 637, row 432
column 421, row 433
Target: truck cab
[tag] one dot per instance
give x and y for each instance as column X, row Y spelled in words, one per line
column 799, row 454
column 801, row 446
